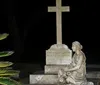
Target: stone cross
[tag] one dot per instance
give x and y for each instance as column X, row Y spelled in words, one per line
column 59, row 9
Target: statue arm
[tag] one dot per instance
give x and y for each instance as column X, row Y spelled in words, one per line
column 78, row 64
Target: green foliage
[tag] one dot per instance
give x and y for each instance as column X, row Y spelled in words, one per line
column 8, row 81
column 6, row 53
column 6, row 72
column 3, row 36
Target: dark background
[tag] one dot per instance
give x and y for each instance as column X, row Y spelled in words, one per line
column 33, row 30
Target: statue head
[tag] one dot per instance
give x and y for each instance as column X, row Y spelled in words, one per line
column 76, row 46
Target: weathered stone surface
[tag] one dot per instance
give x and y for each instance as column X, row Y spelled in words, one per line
column 53, row 69
column 50, row 79
column 43, row 79
column 85, row 83
column 58, row 54
column 59, row 9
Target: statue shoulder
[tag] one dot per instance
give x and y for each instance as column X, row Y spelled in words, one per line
column 83, row 55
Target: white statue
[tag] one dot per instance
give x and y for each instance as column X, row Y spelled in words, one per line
column 77, row 69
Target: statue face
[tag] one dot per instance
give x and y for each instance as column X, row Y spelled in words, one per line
column 76, row 46
column 73, row 47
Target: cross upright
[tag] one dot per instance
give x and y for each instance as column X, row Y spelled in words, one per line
column 59, row 9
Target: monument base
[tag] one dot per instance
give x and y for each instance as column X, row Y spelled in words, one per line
column 51, row 79
column 53, row 69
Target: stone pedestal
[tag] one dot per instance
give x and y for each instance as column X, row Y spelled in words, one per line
column 53, row 69
column 46, row 79
column 43, row 79
column 51, row 80
column 58, row 54
column 57, row 57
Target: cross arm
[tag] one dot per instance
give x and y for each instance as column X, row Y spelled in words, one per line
column 65, row 9
column 51, row 9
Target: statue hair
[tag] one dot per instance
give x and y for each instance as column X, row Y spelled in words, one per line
column 76, row 43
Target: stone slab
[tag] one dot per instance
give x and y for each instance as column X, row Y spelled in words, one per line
column 43, row 79
column 49, row 79
column 39, row 84
column 58, row 54
column 88, row 83
column 53, row 69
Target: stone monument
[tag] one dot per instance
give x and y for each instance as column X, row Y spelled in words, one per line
column 59, row 61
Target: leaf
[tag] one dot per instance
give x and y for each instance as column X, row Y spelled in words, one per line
column 10, row 73
column 5, row 64
column 5, row 68
column 8, row 81
column 3, row 36
column 6, row 53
